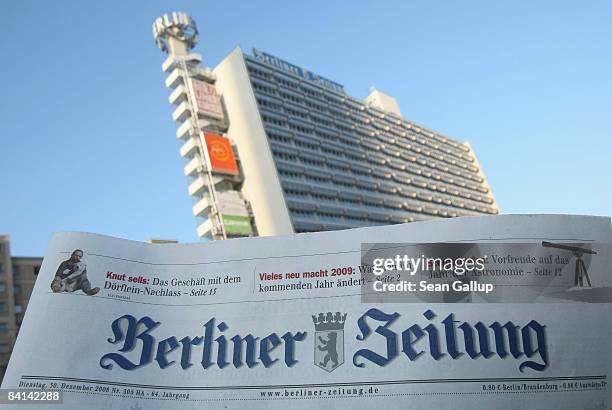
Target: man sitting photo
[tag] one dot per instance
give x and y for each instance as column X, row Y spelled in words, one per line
column 71, row 276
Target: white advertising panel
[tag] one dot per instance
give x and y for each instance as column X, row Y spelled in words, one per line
column 230, row 202
column 207, row 99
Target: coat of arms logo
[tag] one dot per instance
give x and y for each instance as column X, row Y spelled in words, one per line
column 329, row 340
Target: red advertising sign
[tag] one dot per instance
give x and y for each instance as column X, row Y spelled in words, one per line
column 207, row 99
column 221, row 154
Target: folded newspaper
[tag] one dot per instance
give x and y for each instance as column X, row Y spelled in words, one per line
column 478, row 312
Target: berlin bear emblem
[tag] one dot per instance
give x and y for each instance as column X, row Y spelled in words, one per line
column 329, row 340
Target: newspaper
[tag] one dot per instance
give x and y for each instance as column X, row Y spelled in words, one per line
column 273, row 322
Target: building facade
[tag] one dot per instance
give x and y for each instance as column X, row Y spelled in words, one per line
column 307, row 156
column 17, row 277
column 337, row 162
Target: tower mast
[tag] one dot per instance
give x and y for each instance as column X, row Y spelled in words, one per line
column 211, row 160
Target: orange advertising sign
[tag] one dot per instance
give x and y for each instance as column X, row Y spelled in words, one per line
column 221, row 154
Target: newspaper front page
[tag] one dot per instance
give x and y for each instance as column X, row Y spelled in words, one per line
column 303, row 321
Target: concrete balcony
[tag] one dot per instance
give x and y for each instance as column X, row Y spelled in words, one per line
column 202, row 207
column 192, row 167
column 174, row 79
column 197, row 186
column 187, row 129
column 172, row 61
column 190, row 147
column 205, row 228
column 178, row 95
column 204, row 74
column 182, row 112
column 184, row 130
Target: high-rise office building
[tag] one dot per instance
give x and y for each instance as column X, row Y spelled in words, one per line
column 8, row 327
column 17, row 277
column 335, row 161
column 311, row 157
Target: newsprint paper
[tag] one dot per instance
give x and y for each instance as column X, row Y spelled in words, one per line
column 517, row 315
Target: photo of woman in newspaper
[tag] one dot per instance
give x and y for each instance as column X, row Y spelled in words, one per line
column 71, row 276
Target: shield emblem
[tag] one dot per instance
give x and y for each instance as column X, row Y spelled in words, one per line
column 329, row 349
column 329, row 340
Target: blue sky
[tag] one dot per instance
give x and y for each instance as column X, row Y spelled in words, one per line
column 87, row 141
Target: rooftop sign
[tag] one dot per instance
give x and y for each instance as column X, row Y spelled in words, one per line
column 299, row 71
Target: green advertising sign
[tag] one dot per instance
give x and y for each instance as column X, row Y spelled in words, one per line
column 237, row 225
